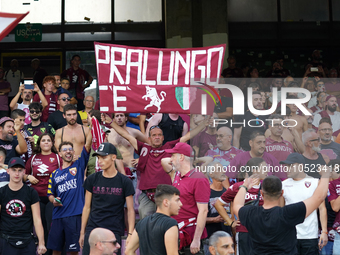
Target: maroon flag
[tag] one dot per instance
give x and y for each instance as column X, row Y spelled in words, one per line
column 8, row 22
column 143, row 80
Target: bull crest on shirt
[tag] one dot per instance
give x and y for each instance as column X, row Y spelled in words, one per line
column 307, row 184
column 73, row 171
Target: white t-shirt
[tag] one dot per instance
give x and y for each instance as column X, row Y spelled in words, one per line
column 297, row 191
column 335, row 118
column 25, row 108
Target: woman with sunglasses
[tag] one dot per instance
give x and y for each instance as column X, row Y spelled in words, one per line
column 38, row 169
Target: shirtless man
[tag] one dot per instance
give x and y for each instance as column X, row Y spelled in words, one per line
column 125, row 148
column 72, row 132
column 302, row 124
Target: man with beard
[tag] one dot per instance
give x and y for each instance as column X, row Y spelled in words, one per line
column 26, row 96
column 14, row 147
column 330, row 112
column 242, row 133
column 313, row 159
column 36, row 127
column 57, row 119
column 66, row 193
column 73, row 131
column 328, row 147
column 103, row 241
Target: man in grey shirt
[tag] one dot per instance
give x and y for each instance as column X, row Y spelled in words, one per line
column 327, row 146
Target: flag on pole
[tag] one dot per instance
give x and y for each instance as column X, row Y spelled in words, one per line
column 8, row 22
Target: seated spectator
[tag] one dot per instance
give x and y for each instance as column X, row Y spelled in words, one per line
column 287, row 81
column 329, row 112
column 318, row 107
column 57, row 119
column 302, row 124
column 48, row 84
column 88, row 103
column 276, row 71
column 172, row 125
column 36, row 127
column 328, row 147
column 13, row 147
column 27, row 95
column 5, row 88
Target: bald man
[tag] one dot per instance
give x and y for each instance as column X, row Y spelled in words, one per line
column 103, row 241
column 89, row 104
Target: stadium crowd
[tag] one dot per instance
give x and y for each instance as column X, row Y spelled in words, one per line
column 168, row 183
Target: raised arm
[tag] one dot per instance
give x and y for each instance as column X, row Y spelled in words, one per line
column 57, row 139
column 14, row 103
column 155, row 120
column 192, row 133
column 121, row 131
column 22, row 145
column 43, row 100
column 168, row 168
column 237, row 136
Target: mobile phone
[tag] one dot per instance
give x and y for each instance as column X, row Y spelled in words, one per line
column 314, row 69
column 29, row 86
column 57, row 200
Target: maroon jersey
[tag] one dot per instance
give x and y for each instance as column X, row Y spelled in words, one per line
column 230, row 194
column 41, row 167
column 334, row 190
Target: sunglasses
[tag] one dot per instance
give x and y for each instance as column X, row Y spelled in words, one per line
column 154, row 127
column 113, row 242
column 314, row 140
column 34, row 111
column 66, row 149
column 65, row 99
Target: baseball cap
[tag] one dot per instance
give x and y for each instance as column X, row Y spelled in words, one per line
column 329, row 97
column 4, row 119
column 16, row 162
column 105, row 149
column 294, row 158
column 181, row 148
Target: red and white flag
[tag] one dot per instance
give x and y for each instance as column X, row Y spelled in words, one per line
column 8, row 22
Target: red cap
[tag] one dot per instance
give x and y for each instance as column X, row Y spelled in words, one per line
column 329, row 97
column 181, row 148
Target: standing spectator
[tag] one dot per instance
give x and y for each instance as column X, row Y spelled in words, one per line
column 36, row 127
column 51, row 98
column 332, row 85
column 221, row 243
column 232, row 70
column 277, row 235
column 149, row 165
column 158, row 227
column 329, row 112
column 195, row 193
column 57, row 83
column 5, row 88
column 253, row 166
column 257, row 150
column 14, row 77
column 4, row 177
column 56, row 119
column 89, row 104
column 299, row 187
column 328, row 147
column 103, row 241
column 301, row 121
column 275, row 144
column 38, row 170
column 26, row 96
column 19, row 116
column 39, row 73
column 19, row 212
column 65, row 85
column 73, row 131
column 313, row 158
column 66, row 193
column 80, row 79
column 172, row 125
column 13, row 147
column 106, row 209
column 242, row 133
column 319, row 103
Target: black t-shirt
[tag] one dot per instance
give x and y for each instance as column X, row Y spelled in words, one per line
column 272, row 231
column 226, row 102
column 57, row 120
column 10, row 148
column 108, row 199
column 247, row 130
column 151, row 231
column 16, row 213
column 213, row 227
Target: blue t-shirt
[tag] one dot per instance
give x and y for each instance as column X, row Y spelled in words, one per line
column 67, row 184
